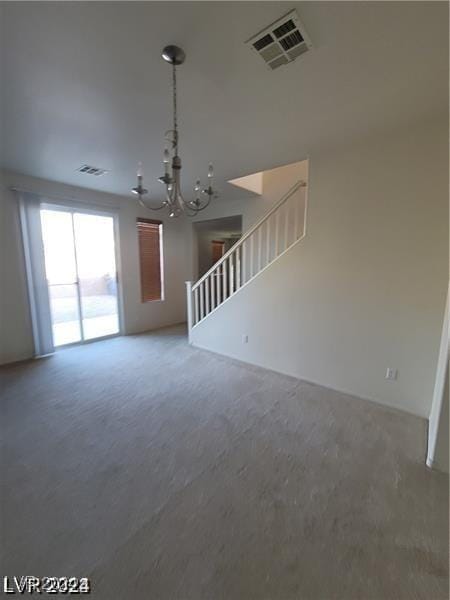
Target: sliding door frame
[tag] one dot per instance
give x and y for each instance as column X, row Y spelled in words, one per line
column 72, row 209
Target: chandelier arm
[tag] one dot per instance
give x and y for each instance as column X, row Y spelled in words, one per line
column 205, row 205
column 144, row 205
column 189, row 210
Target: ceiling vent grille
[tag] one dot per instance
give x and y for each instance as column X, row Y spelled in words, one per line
column 90, row 170
column 282, row 42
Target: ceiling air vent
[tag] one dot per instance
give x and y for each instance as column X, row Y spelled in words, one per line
column 282, row 42
column 90, row 170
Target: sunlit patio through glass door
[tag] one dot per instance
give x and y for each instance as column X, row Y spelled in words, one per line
column 81, row 275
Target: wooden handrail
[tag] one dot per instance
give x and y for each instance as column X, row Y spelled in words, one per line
column 248, row 233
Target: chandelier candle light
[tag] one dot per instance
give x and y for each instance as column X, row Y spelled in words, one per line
column 174, row 200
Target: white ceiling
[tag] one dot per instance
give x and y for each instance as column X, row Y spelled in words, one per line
column 83, row 82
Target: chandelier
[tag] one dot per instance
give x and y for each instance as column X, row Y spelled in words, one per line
column 174, row 200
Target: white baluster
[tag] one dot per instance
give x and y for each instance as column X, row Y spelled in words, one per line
column 224, row 280
column 304, row 212
column 196, row 305
column 286, row 225
column 219, row 287
column 277, row 227
column 207, row 295
column 252, row 251
column 260, row 230
column 244, row 262
column 238, row 267
column 268, row 241
column 231, row 274
column 202, row 294
column 189, row 306
column 213, row 290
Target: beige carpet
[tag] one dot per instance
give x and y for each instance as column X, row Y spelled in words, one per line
column 163, row 472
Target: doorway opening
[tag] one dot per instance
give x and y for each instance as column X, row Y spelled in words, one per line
column 81, row 272
column 215, row 237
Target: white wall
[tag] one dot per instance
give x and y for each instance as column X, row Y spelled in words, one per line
column 254, row 208
column 276, row 182
column 16, row 341
column 365, row 290
column 253, row 182
column 15, row 329
column 438, row 428
column 441, row 453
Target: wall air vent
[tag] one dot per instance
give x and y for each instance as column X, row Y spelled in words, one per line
column 282, row 42
column 90, row 170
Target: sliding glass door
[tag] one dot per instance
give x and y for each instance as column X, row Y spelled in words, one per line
column 97, row 277
column 80, row 264
column 62, row 279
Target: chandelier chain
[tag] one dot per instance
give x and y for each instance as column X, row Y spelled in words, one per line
column 175, row 122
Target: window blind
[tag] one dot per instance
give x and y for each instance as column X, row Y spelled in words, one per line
column 149, row 236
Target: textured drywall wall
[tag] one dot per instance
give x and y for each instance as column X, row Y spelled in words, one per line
column 276, row 182
column 365, row 290
column 441, row 454
column 15, row 328
column 438, row 427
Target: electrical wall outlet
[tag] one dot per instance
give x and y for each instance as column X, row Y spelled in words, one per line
column 245, row 339
column 391, row 374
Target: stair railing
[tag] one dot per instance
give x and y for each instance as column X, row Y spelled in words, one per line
column 281, row 227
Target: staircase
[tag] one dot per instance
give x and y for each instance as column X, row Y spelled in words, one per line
column 279, row 229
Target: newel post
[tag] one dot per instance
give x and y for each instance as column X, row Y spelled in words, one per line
column 189, row 307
